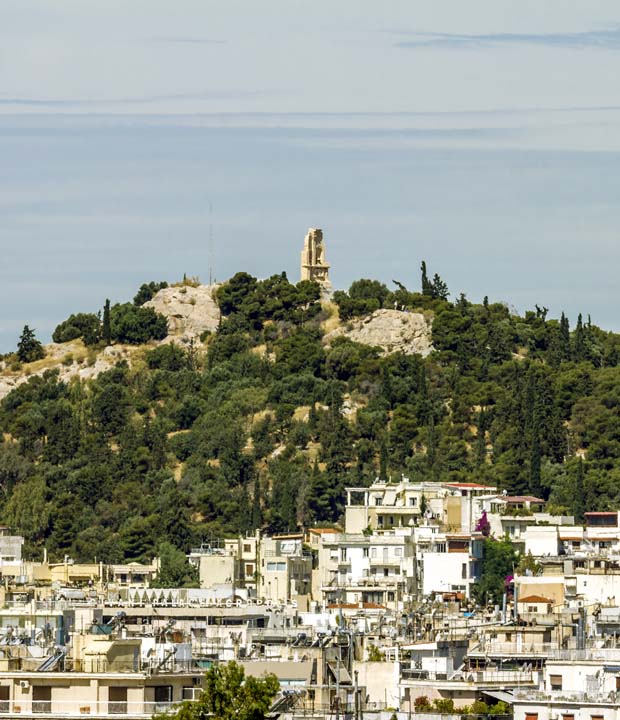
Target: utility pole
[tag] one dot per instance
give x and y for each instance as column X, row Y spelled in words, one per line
column 211, row 248
column 338, row 687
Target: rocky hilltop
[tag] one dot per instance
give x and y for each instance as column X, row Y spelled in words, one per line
column 190, row 310
column 391, row 330
column 71, row 359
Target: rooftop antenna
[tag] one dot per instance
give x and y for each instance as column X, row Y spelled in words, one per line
column 211, row 244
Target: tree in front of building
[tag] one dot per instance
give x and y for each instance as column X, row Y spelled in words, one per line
column 229, row 695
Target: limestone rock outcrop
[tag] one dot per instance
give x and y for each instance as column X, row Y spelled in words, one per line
column 391, row 330
column 190, row 311
column 59, row 353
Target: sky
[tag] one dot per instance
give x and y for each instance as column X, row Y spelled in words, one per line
column 141, row 140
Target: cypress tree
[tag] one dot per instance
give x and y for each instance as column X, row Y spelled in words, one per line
column 564, row 338
column 481, row 444
column 383, row 460
column 106, row 332
column 579, row 493
column 579, row 341
column 427, row 288
column 256, row 508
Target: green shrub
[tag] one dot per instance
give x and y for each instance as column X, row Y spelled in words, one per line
column 136, row 325
column 81, row 325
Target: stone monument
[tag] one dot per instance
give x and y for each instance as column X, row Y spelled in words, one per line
column 313, row 264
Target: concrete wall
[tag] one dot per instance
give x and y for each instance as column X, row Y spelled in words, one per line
column 216, row 570
column 380, row 680
column 444, row 571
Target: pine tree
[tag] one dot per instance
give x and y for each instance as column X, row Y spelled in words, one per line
column 439, row 289
column 106, row 332
column 29, row 348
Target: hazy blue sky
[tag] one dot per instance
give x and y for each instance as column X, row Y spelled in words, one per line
column 482, row 136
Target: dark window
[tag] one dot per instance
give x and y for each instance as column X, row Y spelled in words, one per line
column 4, row 698
column 556, row 682
column 41, row 699
column 163, row 697
column 117, row 700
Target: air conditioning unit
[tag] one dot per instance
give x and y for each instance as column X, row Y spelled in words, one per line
column 24, row 684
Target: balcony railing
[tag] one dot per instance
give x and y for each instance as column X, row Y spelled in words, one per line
column 81, row 708
column 480, row 677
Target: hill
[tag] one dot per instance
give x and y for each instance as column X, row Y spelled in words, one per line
column 204, row 411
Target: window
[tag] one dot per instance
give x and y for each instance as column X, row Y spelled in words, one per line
column 617, row 682
column 390, row 597
column 464, row 571
column 391, row 519
column 398, row 552
column 4, row 698
column 373, row 552
column 343, row 553
column 276, row 566
column 597, row 717
column 531, row 716
column 378, row 501
column 555, row 682
column 41, row 699
column 163, row 697
column 568, row 717
column 247, row 548
column 365, row 552
column 117, row 700
column 249, row 570
column 413, row 501
column 386, row 572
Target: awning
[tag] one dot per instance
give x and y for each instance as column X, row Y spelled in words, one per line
column 499, row 695
column 344, row 678
column 390, row 497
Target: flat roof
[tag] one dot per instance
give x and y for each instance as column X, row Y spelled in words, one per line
column 327, row 531
column 471, row 485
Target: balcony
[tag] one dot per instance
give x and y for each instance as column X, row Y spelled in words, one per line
column 486, row 678
column 386, row 561
column 80, row 708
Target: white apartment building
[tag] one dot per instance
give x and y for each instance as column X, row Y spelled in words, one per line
column 377, row 569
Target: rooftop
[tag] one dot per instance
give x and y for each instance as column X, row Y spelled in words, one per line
column 534, row 599
column 521, row 499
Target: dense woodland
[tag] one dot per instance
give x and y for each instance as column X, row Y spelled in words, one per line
column 262, row 425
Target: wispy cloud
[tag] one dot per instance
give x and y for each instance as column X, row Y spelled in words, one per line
column 599, row 39
column 188, row 40
column 139, row 100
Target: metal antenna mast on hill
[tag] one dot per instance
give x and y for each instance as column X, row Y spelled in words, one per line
column 211, row 245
